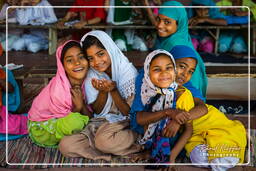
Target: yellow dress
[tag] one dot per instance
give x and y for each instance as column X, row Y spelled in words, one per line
column 223, row 137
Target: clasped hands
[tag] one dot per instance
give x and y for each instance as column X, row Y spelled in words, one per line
column 180, row 117
column 104, row 85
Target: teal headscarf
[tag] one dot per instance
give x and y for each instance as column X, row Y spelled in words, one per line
column 14, row 97
column 182, row 37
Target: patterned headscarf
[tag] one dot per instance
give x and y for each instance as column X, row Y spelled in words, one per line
column 166, row 96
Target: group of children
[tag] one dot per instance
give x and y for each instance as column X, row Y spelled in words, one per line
column 99, row 105
column 36, row 40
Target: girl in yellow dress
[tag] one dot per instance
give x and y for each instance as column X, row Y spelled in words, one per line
column 215, row 138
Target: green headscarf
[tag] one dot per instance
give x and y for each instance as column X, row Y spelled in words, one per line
column 182, row 37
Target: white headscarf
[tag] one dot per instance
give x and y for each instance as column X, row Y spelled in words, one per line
column 149, row 90
column 123, row 72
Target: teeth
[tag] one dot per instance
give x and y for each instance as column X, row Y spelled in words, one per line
column 78, row 69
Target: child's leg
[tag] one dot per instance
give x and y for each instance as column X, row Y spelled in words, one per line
column 49, row 133
column 230, row 161
column 199, row 156
column 116, row 138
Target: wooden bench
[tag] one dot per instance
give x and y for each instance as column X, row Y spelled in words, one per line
column 52, row 31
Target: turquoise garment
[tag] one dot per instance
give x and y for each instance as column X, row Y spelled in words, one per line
column 13, row 98
column 182, row 37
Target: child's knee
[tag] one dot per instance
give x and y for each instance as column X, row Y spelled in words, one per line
column 66, row 146
column 199, row 155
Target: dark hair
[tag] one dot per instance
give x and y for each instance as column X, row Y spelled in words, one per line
column 89, row 41
column 68, row 46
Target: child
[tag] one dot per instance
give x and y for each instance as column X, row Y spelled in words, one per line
column 83, row 16
column 17, row 124
column 110, row 87
column 36, row 39
column 234, row 41
column 154, row 104
column 172, row 29
column 215, row 139
column 60, row 108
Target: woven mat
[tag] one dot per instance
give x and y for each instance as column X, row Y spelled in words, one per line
column 23, row 151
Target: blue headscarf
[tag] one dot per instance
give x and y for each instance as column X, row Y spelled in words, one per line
column 181, row 51
column 182, row 37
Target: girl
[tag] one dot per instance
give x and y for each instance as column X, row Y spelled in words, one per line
column 153, row 108
column 215, row 139
column 110, row 88
column 60, row 108
column 172, row 29
column 17, row 124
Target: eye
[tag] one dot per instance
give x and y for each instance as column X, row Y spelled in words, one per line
column 191, row 72
column 101, row 54
column 182, row 66
column 156, row 70
column 169, row 68
column 69, row 60
column 167, row 22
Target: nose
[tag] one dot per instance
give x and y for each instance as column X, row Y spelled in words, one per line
column 159, row 24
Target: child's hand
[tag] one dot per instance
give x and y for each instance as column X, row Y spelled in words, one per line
column 77, row 98
column 171, row 129
column 79, row 25
column 103, row 85
column 181, row 117
column 196, row 20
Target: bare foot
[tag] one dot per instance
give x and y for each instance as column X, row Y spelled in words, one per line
column 140, row 156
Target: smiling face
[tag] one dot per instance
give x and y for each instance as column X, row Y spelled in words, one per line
column 75, row 65
column 161, row 71
column 185, row 69
column 165, row 26
column 99, row 59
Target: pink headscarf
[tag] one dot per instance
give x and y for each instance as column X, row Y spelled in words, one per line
column 54, row 101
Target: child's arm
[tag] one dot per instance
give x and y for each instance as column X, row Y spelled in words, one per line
column 181, row 142
column 78, row 101
column 67, row 17
column 81, row 24
column 121, row 104
column 199, row 109
column 150, row 13
column 99, row 103
column 145, row 118
column 197, row 20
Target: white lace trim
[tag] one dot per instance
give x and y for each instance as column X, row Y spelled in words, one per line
column 127, row 89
